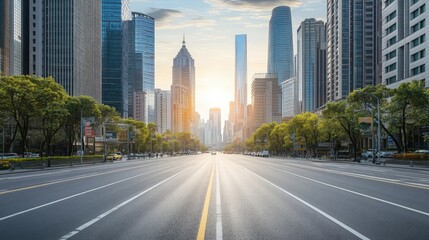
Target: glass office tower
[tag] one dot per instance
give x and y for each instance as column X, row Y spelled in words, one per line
column 310, row 36
column 240, row 80
column 280, row 44
column 115, row 51
column 141, row 72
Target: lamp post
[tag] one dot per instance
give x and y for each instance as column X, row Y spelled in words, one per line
column 81, row 136
column 378, row 124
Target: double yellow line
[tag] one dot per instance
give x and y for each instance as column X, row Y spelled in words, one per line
column 204, row 215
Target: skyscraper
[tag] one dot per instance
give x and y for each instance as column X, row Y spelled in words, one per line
column 163, row 110
column 310, row 38
column 266, row 99
column 141, row 72
column 290, row 104
column 240, row 83
column 69, row 47
column 405, row 42
column 11, row 55
column 280, row 44
column 183, row 91
column 352, row 46
column 116, row 13
column 215, row 126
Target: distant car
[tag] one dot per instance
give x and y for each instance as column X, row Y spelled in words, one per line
column 367, row 154
column 213, row 153
column 114, row 156
column 8, row 155
column 422, row 151
column 385, row 154
column 265, row 153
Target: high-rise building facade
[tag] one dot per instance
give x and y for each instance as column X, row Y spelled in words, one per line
column 310, row 73
column 266, row 99
column 405, row 42
column 290, row 98
column 116, row 14
column 280, row 44
column 163, row 110
column 141, row 71
column 352, row 46
column 11, row 55
column 183, row 91
column 71, row 43
column 240, row 82
column 215, row 126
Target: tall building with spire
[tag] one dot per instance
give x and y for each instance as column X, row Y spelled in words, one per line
column 183, row 91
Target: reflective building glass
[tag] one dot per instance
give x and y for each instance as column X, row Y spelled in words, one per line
column 114, row 54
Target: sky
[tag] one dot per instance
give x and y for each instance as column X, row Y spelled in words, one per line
column 210, row 27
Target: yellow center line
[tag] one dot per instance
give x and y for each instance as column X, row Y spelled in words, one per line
column 65, row 180
column 204, row 215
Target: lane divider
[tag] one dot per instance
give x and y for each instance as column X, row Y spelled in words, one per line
column 204, row 215
column 219, row 232
column 353, row 192
column 331, row 218
column 76, row 195
column 105, row 214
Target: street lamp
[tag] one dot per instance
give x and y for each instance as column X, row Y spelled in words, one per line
column 378, row 125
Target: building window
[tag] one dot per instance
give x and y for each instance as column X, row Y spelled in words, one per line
column 418, row 41
column 391, row 80
column 414, row 2
column 391, row 29
column 391, row 41
column 391, row 55
column 418, row 26
column 388, row 2
column 391, row 67
column 418, row 11
column 418, row 70
column 418, row 55
column 391, row 16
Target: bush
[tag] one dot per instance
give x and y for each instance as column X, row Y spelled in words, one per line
column 4, row 165
column 411, row 156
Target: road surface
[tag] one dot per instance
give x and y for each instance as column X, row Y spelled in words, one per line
column 216, row 197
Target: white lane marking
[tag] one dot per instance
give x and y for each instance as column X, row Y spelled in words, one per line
column 105, row 214
column 357, row 193
column 75, row 195
column 338, row 222
column 219, row 232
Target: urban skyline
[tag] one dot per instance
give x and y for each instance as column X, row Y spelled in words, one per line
column 210, row 28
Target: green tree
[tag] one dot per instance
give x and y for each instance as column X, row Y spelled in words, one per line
column 345, row 115
column 84, row 106
column 407, row 110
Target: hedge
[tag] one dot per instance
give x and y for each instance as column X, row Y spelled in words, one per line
column 411, row 156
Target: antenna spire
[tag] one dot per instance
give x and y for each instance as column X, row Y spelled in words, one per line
column 183, row 42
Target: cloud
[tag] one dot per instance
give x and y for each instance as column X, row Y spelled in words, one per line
column 254, row 5
column 164, row 14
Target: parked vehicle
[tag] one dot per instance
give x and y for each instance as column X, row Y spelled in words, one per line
column 422, row 151
column 8, row 155
column 114, row 156
column 265, row 153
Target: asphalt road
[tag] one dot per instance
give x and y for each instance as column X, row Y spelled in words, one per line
column 216, row 197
